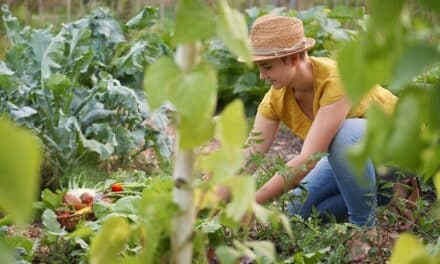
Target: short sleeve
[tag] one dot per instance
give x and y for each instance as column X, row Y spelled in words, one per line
column 266, row 107
column 332, row 91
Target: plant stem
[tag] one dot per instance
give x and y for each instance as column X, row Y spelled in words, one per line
column 182, row 246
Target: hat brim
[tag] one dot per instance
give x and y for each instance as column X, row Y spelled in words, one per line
column 309, row 43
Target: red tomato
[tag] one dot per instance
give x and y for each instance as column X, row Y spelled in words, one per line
column 116, row 187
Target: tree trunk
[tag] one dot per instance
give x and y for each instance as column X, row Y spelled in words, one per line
column 183, row 224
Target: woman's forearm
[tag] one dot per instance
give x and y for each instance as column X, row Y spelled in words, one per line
column 280, row 184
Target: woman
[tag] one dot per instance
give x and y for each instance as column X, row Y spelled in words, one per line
column 307, row 95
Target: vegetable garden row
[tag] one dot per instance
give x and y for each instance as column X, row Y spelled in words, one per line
column 105, row 125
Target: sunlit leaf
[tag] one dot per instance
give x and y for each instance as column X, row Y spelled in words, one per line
column 232, row 29
column 431, row 162
column 405, row 143
column 48, row 51
column 6, row 253
column 264, row 249
column 352, row 70
column 21, row 242
column 22, row 112
column 433, row 96
column 231, row 127
column 261, row 213
column 147, row 17
column 51, row 223
column 51, row 199
column 20, row 161
column 109, row 241
column 205, row 198
column 6, row 76
column 415, row 60
column 222, row 163
column 195, row 98
column 376, row 137
column 159, row 79
column 244, row 250
column 227, row 254
column 4, row 70
column 408, row 250
column 243, row 196
column 194, row 21
column 286, row 225
column 369, row 60
column 437, row 184
column 58, row 83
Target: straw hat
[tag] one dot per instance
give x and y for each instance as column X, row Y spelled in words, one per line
column 277, row 36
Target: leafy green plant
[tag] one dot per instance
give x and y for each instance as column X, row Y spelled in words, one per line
column 410, row 137
column 19, row 184
column 79, row 89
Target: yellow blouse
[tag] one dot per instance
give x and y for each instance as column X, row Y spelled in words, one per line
column 281, row 104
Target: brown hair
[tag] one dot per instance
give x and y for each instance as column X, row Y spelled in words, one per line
column 301, row 55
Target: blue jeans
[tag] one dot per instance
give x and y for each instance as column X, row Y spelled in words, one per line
column 332, row 185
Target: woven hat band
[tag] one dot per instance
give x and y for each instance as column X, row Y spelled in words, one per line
column 279, row 51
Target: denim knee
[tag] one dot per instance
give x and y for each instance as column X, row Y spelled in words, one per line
column 351, row 132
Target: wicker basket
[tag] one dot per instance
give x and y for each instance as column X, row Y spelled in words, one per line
column 69, row 222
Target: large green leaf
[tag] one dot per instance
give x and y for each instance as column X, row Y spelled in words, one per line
column 48, row 51
column 147, row 17
column 20, row 160
column 243, row 196
column 231, row 127
column 157, row 207
column 227, row 254
column 352, row 71
column 232, row 29
column 58, row 84
column 51, row 224
column 376, row 137
column 11, row 24
column 433, row 95
column 104, row 150
column 405, row 143
column 4, row 70
column 196, row 124
column 359, row 71
column 160, row 78
column 369, row 60
column 5, row 253
column 409, row 250
column 194, row 21
column 132, row 61
column 437, row 184
column 110, row 241
column 263, row 249
column 415, row 60
column 5, row 76
column 223, row 163
column 431, row 162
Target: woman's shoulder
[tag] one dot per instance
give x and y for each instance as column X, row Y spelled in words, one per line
column 324, row 68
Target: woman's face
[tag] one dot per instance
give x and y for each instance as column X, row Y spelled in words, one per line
column 278, row 72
